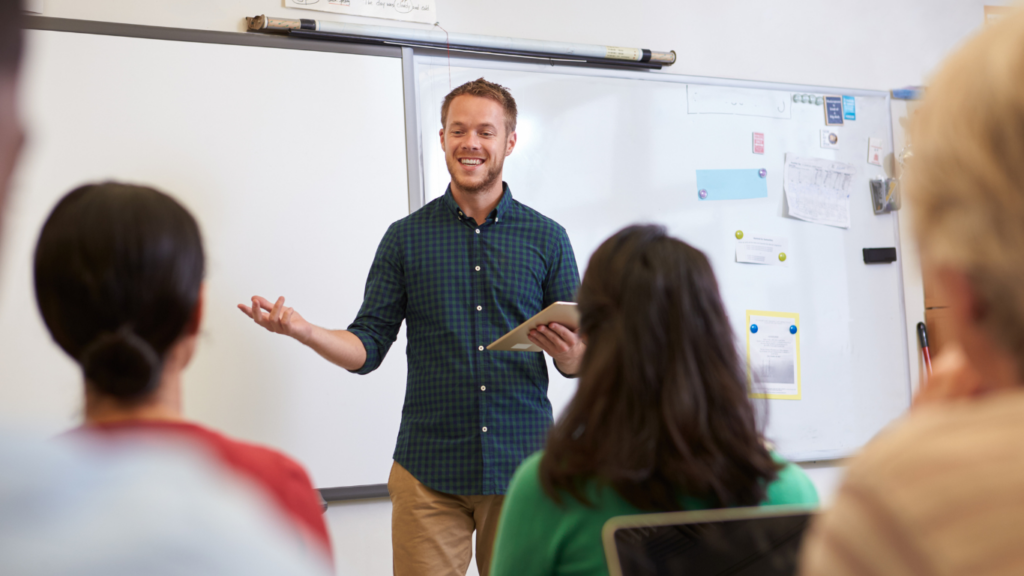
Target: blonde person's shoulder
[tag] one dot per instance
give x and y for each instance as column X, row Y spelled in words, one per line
column 935, row 490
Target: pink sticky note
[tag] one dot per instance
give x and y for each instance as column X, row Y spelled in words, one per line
column 758, row 143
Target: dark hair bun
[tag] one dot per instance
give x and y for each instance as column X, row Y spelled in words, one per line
column 121, row 364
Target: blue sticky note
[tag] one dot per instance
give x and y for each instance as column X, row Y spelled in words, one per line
column 833, row 110
column 849, row 108
column 742, row 184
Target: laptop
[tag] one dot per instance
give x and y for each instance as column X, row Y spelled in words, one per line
column 736, row 541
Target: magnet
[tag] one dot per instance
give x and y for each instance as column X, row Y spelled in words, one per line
column 817, row 101
column 739, row 234
column 782, row 256
column 805, row 98
column 753, row 328
column 796, row 98
column 702, row 193
column 762, row 172
column 792, row 329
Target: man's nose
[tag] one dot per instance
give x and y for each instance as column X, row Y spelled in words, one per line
column 471, row 142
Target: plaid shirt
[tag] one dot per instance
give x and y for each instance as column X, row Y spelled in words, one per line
column 470, row 415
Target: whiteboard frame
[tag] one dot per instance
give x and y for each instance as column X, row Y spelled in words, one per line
column 493, row 62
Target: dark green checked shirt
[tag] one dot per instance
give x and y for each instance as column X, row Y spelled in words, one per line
column 470, row 415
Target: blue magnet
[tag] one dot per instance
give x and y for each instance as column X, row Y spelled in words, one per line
column 792, row 329
column 753, row 328
column 762, row 172
column 702, row 193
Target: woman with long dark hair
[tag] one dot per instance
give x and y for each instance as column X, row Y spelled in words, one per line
column 661, row 420
column 118, row 278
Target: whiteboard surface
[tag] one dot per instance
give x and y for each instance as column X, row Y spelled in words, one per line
column 599, row 151
column 293, row 181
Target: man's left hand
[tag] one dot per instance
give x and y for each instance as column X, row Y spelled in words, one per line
column 562, row 344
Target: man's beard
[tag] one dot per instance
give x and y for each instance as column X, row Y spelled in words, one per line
column 493, row 174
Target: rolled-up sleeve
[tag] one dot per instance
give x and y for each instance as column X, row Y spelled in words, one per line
column 384, row 302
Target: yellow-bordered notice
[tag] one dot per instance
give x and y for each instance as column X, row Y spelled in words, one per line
column 773, row 354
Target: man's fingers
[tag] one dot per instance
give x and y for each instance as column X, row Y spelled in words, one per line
column 246, row 309
column 564, row 333
column 275, row 314
column 286, row 317
column 542, row 340
column 257, row 314
column 263, row 303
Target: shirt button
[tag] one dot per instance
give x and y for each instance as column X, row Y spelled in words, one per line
column 482, row 388
column 481, row 348
column 477, row 268
column 479, row 308
column 477, row 230
column 484, row 428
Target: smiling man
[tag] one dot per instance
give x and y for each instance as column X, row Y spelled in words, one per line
column 461, row 271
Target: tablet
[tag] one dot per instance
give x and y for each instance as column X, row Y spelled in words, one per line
column 565, row 313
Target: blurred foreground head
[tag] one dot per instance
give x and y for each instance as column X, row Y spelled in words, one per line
column 965, row 186
column 118, row 272
column 662, row 402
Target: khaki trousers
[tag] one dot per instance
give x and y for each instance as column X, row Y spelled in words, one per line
column 432, row 532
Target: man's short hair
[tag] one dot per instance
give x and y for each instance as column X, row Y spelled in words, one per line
column 965, row 179
column 11, row 22
column 483, row 89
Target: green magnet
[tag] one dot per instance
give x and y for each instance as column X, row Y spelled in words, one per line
column 739, row 234
column 782, row 256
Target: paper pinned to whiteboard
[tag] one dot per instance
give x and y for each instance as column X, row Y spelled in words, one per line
column 741, row 101
column 818, row 190
column 424, row 11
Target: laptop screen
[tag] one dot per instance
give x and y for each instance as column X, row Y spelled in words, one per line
column 761, row 544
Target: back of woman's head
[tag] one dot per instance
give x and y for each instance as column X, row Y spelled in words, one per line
column 662, row 408
column 118, row 270
column 965, row 181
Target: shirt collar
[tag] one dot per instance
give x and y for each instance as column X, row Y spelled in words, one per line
column 501, row 211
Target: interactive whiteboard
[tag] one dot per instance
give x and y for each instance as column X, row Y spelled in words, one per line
column 599, row 150
column 294, row 164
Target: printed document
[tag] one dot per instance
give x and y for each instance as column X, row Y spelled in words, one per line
column 818, row 190
column 423, row 11
column 773, row 354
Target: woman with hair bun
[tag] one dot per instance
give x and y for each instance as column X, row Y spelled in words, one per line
column 118, row 278
column 661, row 420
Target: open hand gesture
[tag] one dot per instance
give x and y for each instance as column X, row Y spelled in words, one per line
column 278, row 318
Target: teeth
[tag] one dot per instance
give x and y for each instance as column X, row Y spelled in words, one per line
column 471, row 161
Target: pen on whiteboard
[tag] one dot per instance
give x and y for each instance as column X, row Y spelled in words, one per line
column 922, row 336
column 393, row 33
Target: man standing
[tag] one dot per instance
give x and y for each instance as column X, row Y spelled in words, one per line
column 461, row 271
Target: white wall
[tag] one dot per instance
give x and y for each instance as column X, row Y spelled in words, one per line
column 877, row 44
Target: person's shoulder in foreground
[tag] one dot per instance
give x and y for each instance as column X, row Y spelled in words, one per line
column 937, row 494
column 85, row 508
column 285, row 480
column 538, row 536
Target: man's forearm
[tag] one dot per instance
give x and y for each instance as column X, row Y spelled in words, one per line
column 339, row 347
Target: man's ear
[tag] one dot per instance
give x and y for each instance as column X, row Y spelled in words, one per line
column 192, row 328
column 511, row 144
column 440, row 133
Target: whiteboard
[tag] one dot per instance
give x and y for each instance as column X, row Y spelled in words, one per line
column 599, row 150
column 293, row 181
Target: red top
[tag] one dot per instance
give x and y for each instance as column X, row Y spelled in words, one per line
column 284, row 479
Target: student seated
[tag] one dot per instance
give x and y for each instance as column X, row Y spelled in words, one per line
column 941, row 492
column 661, row 420
column 118, row 279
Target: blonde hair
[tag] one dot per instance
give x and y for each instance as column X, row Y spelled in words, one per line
column 965, row 180
column 484, row 89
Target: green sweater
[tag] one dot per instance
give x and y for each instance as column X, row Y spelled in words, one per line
column 538, row 537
